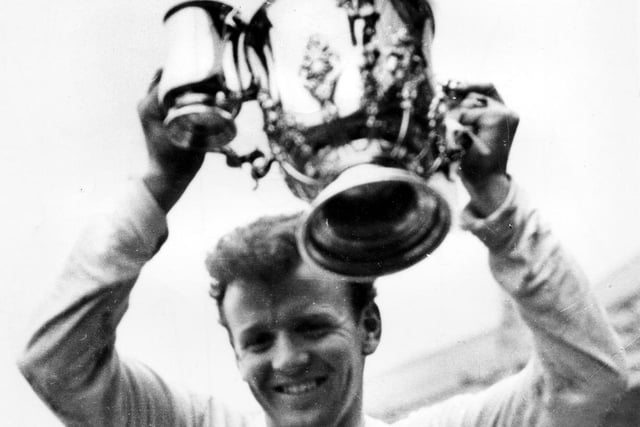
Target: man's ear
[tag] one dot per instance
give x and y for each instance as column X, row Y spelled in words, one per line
column 371, row 325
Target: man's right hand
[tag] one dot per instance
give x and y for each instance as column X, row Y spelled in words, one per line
column 171, row 168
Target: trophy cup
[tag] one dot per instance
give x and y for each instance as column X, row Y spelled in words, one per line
column 351, row 112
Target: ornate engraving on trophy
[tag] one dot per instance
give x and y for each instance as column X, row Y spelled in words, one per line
column 320, row 70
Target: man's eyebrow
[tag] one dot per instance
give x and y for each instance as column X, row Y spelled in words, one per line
column 252, row 328
column 314, row 315
column 312, row 312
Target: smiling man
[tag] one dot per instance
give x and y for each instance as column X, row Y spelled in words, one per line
column 300, row 336
column 300, row 347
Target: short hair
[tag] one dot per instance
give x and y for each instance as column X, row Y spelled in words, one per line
column 264, row 251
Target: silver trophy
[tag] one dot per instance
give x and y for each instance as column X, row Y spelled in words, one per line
column 351, row 113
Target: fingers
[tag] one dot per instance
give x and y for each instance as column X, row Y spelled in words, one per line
column 149, row 107
column 155, row 80
column 477, row 142
column 464, row 88
column 474, row 100
column 477, row 108
column 472, row 108
column 470, row 116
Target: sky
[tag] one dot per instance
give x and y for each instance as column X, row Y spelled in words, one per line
column 72, row 73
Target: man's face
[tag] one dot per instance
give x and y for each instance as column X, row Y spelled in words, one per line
column 299, row 347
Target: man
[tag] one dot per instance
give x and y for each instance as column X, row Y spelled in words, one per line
column 300, row 337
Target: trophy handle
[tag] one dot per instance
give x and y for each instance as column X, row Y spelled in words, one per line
column 205, row 80
column 260, row 163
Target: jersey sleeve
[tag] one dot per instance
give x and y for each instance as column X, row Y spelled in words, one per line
column 70, row 359
column 577, row 369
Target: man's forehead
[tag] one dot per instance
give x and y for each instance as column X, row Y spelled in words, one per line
column 245, row 316
column 294, row 285
column 302, row 290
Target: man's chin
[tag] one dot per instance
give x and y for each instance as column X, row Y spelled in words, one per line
column 302, row 418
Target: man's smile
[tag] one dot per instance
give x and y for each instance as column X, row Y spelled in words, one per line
column 300, row 387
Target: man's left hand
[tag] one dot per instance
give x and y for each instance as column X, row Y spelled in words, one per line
column 492, row 127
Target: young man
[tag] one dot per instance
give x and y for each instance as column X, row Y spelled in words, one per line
column 300, row 337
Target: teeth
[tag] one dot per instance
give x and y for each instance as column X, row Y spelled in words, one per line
column 298, row 388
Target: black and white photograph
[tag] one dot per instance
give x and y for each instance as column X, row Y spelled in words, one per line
column 322, row 213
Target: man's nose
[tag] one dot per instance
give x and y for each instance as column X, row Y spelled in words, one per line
column 289, row 356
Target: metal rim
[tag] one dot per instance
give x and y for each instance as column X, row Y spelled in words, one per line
column 428, row 235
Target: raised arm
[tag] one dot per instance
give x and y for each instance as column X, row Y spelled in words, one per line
column 70, row 359
column 577, row 370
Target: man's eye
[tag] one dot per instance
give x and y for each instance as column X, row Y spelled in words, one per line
column 314, row 330
column 258, row 343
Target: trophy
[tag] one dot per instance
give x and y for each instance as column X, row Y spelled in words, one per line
column 351, row 112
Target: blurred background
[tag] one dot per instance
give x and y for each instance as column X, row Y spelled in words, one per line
column 72, row 73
